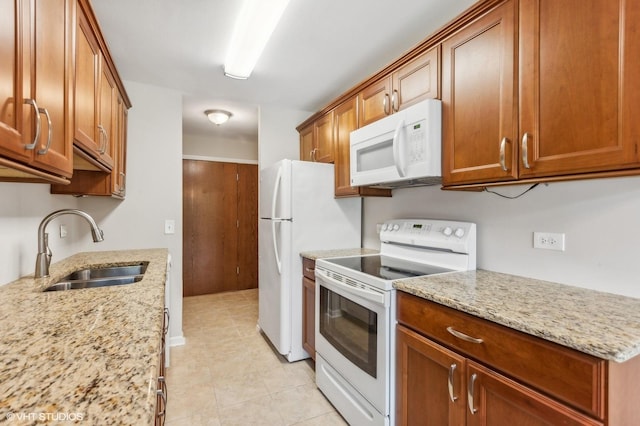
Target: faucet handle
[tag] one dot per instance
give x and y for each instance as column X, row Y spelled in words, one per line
column 49, row 252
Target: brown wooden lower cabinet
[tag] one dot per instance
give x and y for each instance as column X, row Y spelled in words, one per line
column 220, row 235
column 309, row 306
column 498, row 382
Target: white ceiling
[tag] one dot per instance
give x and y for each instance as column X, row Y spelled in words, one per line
column 320, row 49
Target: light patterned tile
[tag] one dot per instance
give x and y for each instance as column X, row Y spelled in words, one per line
column 301, row 403
column 330, row 419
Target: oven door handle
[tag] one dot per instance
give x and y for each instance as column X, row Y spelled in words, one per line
column 370, row 295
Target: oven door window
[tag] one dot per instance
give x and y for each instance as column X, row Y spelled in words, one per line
column 350, row 328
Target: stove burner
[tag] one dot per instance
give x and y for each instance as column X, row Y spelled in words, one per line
column 387, row 268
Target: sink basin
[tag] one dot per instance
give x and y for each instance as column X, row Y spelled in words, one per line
column 93, row 283
column 101, row 277
column 111, row 271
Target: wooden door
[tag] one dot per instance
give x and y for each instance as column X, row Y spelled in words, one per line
column 500, row 401
column 52, row 66
column 479, row 108
column 86, row 85
column 417, row 80
column 428, row 377
column 374, row 101
column 220, row 227
column 13, row 110
column 306, row 143
column 574, row 63
column 324, row 138
column 247, row 226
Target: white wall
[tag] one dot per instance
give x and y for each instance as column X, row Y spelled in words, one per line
column 601, row 220
column 277, row 134
column 154, row 187
column 233, row 150
column 22, row 208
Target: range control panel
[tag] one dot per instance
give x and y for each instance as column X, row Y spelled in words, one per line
column 430, row 233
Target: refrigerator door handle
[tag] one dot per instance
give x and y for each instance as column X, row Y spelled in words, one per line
column 274, row 201
column 275, row 246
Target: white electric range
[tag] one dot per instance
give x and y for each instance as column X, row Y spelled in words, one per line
column 356, row 311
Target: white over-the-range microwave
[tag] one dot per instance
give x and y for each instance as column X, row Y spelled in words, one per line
column 400, row 150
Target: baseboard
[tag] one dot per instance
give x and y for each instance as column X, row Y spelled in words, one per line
column 177, row 341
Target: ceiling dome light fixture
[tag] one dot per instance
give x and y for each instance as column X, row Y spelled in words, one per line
column 253, row 27
column 218, row 116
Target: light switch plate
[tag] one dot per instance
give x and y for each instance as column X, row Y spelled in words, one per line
column 169, row 226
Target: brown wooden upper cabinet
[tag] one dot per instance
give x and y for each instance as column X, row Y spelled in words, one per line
column 317, row 140
column 36, row 90
column 94, row 98
column 414, row 81
column 547, row 89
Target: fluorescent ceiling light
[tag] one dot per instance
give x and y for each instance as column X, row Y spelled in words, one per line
column 218, row 116
column 256, row 22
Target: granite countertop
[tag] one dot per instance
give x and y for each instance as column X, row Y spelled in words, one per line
column 601, row 324
column 90, row 354
column 324, row 254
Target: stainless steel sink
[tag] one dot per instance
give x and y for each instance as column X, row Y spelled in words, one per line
column 101, row 277
column 97, row 282
column 112, row 271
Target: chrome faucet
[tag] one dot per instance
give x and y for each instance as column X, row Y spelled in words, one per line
column 44, row 252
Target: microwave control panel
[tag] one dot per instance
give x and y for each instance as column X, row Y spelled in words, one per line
column 416, row 135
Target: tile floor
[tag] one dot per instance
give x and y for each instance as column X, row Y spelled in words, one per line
column 227, row 373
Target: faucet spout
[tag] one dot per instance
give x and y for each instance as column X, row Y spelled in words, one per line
column 43, row 259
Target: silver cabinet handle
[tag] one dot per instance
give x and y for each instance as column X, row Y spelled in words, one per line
column 103, row 139
column 50, row 132
column 309, row 270
column 452, row 370
column 36, row 137
column 160, row 392
column 463, row 336
column 394, row 101
column 525, row 150
column 503, row 146
column 472, row 382
column 386, row 105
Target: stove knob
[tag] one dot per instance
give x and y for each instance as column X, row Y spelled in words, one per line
column 447, row 231
column 459, row 233
column 384, row 227
column 396, row 227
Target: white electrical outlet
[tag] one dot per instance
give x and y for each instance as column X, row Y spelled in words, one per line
column 548, row 241
column 63, row 231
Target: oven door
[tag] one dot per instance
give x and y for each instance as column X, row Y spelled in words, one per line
column 353, row 335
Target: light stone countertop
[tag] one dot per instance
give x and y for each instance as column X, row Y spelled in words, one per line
column 325, row 254
column 601, row 324
column 90, row 354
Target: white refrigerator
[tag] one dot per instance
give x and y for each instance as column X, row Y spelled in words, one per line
column 298, row 212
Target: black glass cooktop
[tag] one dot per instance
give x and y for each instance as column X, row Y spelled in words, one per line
column 387, row 268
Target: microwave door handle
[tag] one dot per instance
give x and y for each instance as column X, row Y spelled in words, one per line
column 398, row 157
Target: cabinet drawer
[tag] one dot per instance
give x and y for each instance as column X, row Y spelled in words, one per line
column 566, row 374
column 309, row 268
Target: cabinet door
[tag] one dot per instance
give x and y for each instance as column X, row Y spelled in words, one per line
column 573, row 99
column 479, row 100
column 418, row 80
column 324, row 139
column 86, row 85
column 12, row 106
column 346, row 119
column 497, row 400
column 309, row 316
column 374, row 102
column 106, row 115
column 430, row 382
column 306, row 143
column 52, row 72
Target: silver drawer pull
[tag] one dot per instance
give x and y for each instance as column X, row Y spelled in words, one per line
column 463, row 336
column 309, row 270
column 452, row 370
column 470, row 392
